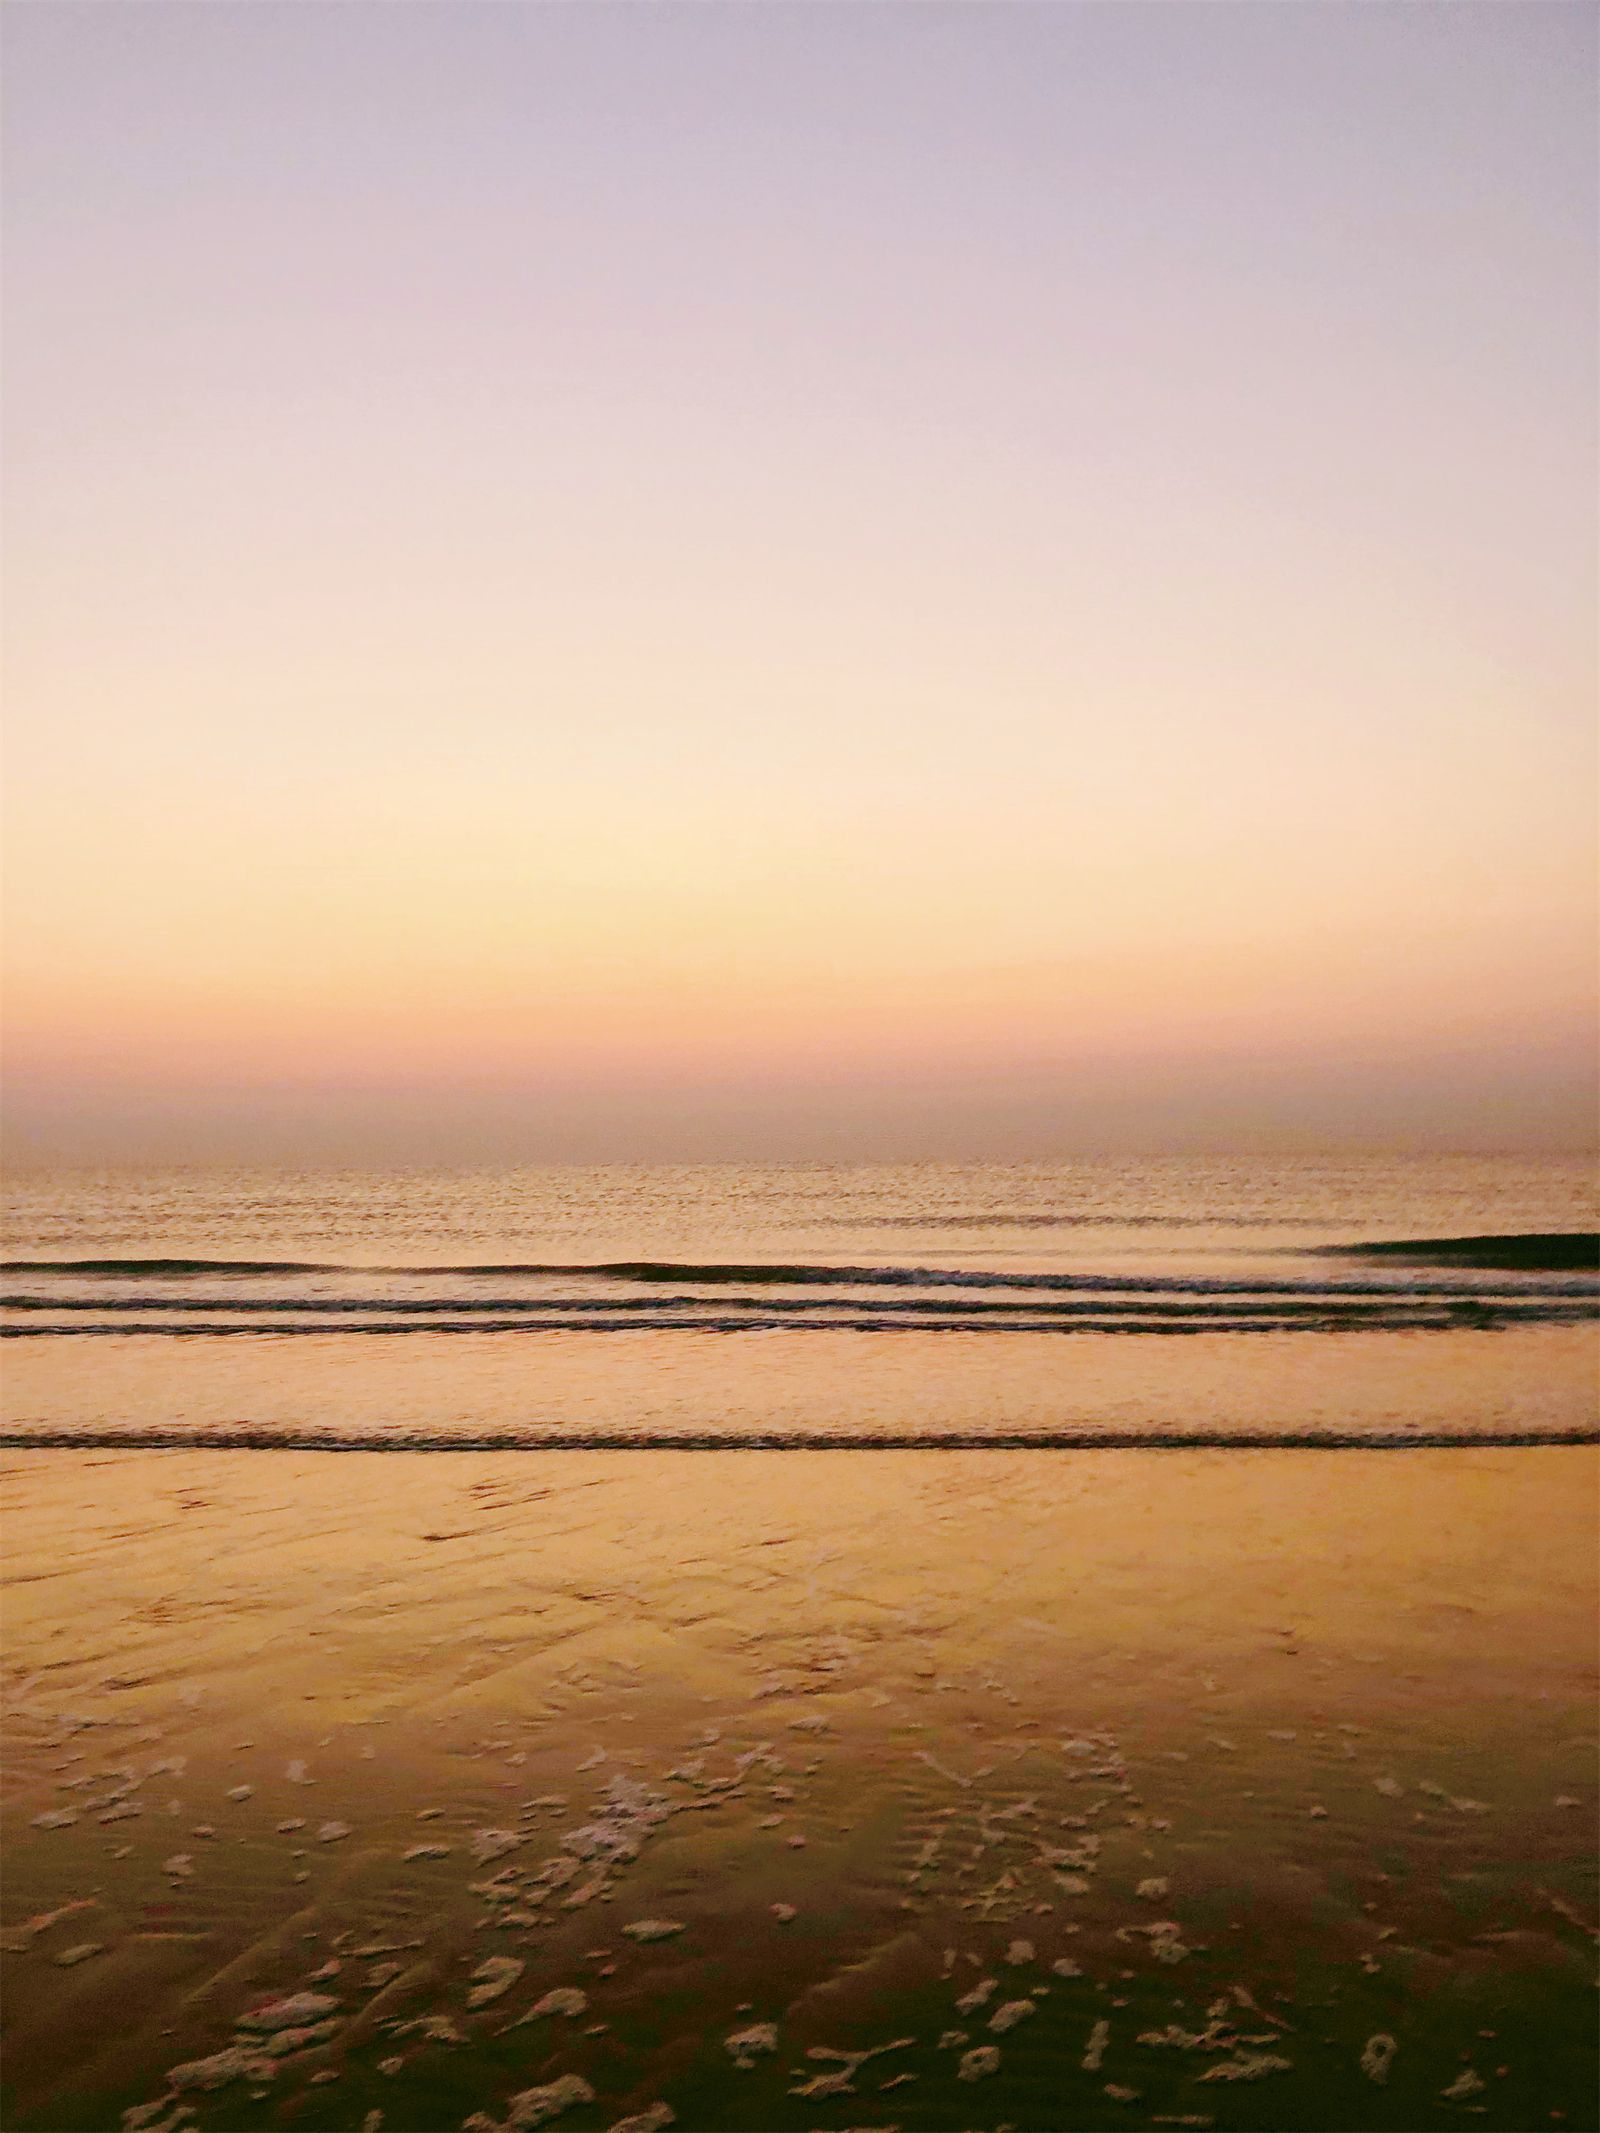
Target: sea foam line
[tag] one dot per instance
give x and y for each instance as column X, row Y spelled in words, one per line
column 309, row 1439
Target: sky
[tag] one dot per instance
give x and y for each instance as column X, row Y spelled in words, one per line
column 798, row 581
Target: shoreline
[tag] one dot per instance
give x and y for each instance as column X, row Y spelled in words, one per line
column 251, row 1440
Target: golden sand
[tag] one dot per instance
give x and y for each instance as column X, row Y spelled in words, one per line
column 819, row 1789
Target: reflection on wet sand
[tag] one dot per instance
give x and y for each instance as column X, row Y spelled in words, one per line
column 404, row 1792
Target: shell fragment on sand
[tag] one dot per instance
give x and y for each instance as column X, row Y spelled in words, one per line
column 293, row 2012
column 745, row 2044
column 490, row 1844
column 837, row 2084
column 1377, row 2056
column 1247, row 2066
column 238, row 2062
column 1008, row 2016
column 560, row 2000
column 284, row 2041
column 1467, row 2083
column 156, row 2118
column 494, row 1978
column 1165, row 1945
column 438, row 2029
column 532, row 2107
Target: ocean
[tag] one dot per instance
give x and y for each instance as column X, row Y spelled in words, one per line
column 935, row 1303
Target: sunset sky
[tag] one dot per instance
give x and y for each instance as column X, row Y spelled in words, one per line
column 787, row 581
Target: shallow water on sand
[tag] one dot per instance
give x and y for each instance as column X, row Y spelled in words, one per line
column 1164, row 1782
column 652, row 1389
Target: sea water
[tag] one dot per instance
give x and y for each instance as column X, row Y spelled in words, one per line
column 1105, row 1300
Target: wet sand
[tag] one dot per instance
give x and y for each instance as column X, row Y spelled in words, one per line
column 969, row 1789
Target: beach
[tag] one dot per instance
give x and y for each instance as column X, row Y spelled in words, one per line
column 800, row 1253
column 967, row 1788
column 928, row 1648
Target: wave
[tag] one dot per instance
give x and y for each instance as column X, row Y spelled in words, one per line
column 250, row 1437
column 157, row 1269
column 753, row 1274
column 1535, row 1250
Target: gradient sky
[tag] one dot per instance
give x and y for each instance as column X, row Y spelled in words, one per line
column 798, row 581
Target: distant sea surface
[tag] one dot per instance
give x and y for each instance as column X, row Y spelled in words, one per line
column 1206, row 1301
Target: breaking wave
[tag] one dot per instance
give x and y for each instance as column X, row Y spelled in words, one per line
column 1457, row 1285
